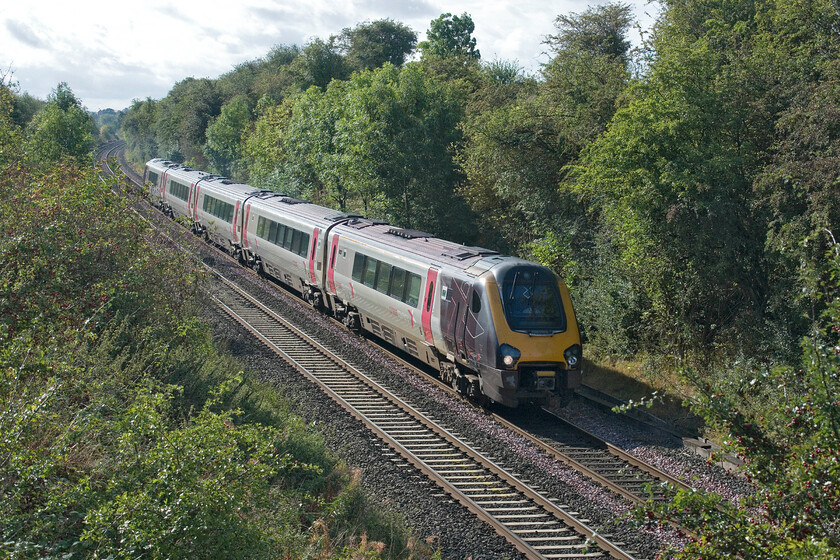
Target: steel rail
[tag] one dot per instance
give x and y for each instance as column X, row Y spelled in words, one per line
column 519, row 486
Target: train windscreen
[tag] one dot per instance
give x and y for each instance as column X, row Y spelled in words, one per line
column 532, row 301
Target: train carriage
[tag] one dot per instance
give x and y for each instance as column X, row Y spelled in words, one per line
column 494, row 326
column 217, row 210
column 284, row 237
column 378, row 288
column 155, row 177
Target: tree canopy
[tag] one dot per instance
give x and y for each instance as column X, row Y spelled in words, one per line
column 369, row 45
column 62, row 128
column 451, row 36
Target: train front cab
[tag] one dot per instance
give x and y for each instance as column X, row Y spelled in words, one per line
column 537, row 351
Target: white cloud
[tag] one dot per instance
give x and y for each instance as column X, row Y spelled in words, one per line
column 112, row 52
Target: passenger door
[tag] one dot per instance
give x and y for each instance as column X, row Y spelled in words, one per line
column 453, row 315
column 428, row 303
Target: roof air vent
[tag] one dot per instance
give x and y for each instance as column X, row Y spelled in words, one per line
column 409, row 233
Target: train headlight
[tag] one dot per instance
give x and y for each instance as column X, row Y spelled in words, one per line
column 509, row 355
column 573, row 356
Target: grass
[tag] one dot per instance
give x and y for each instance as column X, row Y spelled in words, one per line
column 627, row 381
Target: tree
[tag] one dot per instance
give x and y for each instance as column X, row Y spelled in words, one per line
column 25, row 108
column 182, row 119
column 10, row 132
column 672, row 179
column 62, row 128
column 590, row 68
column 522, row 138
column 396, row 134
column 380, row 144
column 312, row 155
column 275, row 77
column 785, row 423
column 224, row 136
column 451, row 36
column 371, row 44
column 599, row 31
column 319, row 64
column 139, row 129
column 264, row 146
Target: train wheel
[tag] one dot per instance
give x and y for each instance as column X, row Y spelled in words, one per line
column 352, row 321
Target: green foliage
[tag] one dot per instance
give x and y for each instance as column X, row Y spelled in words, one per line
column 379, row 144
column 673, row 176
column 319, row 64
column 369, row 45
column 181, row 120
column 503, row 72
column 139, row 129
column 514, row 158
column 785, row 423
column 590, row 69
column 275, row 77
column 264, row 147
column 450, row 36
column 10, row 142
column 223, row 148
column 124, row 434
column 311, row 152
column 25, row 109
column 61, row 129
column 179, row 481
column 599, row 31
column 519, row 148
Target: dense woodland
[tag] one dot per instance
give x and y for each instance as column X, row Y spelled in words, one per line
column 687, row 190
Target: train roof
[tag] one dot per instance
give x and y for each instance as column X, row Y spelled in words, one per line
column 216, row 182
column 425, row 246
column 296, row 207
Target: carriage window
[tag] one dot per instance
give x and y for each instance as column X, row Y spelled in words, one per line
column 153, row 177
column 476, row 302
column 383, row 277
column 397, row 288
column 358, row 267
column 412, row 292
column 179, row 190
column 303, row 243
column 282, row 236
column 429, row 296
column 218, row 208
column 398, row 283
column 370, row 272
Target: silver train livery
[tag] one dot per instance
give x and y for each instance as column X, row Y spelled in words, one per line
column 496, row 327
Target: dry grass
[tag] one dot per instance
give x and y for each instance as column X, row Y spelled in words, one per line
column 627, row 381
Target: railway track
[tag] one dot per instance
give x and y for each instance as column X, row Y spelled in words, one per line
column 535, row 525
column 610, row 466
column 602, row 462
column 532, row 523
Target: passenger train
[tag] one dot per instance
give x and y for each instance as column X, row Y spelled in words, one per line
column 496, row 327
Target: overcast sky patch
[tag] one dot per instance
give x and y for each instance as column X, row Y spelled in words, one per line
column 24, row 34
column 113, row 52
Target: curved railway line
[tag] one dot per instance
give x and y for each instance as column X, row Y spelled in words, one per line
column 535, row 525
column 515, row 508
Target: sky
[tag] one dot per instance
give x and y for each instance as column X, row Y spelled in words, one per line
column 111, row 53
